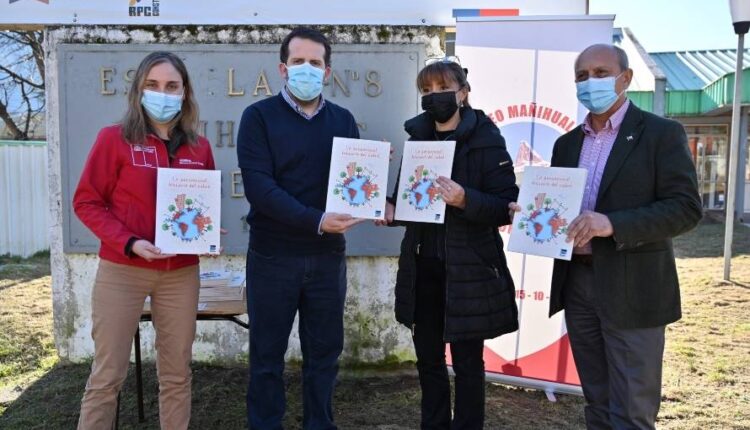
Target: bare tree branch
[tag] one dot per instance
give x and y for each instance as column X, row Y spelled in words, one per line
column 12, row 36
column 10, row 124
column 28, row 109
column 22, row 80
column 36, row 43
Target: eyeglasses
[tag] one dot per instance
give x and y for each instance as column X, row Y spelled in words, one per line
column 446, row 59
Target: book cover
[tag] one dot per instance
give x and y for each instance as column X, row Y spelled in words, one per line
column 188, row 211
column 358, row 177
column 418, row 198
column 550, row 199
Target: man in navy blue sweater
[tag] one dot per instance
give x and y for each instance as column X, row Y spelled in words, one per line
column 295, row 260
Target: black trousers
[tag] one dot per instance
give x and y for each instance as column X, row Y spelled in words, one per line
column 468, row 363
column 620, row 369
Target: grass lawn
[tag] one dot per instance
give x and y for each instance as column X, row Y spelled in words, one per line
column 706, row 365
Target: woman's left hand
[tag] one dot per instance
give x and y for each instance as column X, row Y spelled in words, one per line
column 453, row 194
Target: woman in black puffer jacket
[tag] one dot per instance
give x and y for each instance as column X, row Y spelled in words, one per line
column 453, row 283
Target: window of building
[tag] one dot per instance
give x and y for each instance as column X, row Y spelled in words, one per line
column 450, row 41
column 708, row 146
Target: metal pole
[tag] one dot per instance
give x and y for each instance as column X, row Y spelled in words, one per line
column 733, row 159
column 139, row 374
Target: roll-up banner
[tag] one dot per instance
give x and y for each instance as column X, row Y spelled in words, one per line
column 521, row 74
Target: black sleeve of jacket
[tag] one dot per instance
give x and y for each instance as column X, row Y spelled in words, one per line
column 393, row 198
column 677, row 207
column 489, row 205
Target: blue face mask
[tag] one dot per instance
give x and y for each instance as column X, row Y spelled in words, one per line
column 598, row 94
column 305, row 81
column 161, row 107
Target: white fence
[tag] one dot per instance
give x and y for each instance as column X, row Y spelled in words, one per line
column 24, row 197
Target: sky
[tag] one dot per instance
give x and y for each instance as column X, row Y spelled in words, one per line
column 673, row 25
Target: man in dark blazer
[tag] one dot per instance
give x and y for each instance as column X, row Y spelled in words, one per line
column 621, row 288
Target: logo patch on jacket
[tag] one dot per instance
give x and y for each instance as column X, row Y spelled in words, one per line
column 186, row 162
column 144, row 156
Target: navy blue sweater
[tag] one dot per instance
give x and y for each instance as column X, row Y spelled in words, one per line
column 285, row 160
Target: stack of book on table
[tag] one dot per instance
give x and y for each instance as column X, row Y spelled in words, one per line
column 222, row 286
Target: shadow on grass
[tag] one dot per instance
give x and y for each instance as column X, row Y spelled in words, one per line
column 707, row 240
column 388, row 401
column 54, row 400
column 20, row 270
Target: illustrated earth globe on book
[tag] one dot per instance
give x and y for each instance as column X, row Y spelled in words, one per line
column 186, row 219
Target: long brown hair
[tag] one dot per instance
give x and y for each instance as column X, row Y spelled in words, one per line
column 444, row 72
column 183, row 128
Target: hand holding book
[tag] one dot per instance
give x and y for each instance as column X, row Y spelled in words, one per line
column 453, row 193
column 148, row 251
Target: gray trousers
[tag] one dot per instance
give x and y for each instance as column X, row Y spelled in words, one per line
column 620, row 370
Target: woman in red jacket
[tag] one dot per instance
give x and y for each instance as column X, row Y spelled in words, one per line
column 116, row 200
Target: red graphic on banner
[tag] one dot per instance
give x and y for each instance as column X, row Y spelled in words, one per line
column 564, row 122
column 528, row 157
column 553, row 363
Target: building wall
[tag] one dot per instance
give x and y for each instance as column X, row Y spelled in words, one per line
column 372, row 335
column 643, row 77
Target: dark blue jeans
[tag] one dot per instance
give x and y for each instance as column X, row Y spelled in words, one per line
column 278, row 287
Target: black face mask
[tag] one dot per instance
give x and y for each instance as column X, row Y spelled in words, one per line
column 440, row 106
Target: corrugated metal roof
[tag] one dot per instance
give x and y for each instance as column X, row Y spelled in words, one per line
column 693, row 70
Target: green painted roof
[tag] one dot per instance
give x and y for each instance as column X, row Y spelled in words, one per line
column 694, row 70
column 700, row 82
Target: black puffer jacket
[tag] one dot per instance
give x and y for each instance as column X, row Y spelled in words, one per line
column 480, row 302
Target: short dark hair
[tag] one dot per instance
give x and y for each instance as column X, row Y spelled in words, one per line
column 622, row 58
column 309, row 34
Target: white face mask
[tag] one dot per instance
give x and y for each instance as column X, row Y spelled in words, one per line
column 598, row 94
column 305, row 81
column 161, row 107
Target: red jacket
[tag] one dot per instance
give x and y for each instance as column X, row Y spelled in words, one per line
column 116, row 195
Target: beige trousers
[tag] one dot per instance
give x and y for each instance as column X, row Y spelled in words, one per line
column 117, row 302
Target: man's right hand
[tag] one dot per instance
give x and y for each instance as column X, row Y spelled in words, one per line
column 513, row 207
column 338, row 223
column 390, row 209
column 148, row 251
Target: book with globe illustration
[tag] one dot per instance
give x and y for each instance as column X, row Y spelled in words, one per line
column 188, row 211
column 550, row 198
column 418, row 198
column 358, row 177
